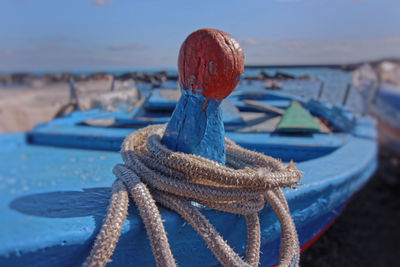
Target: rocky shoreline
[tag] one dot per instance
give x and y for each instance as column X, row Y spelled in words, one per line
column 157, row 79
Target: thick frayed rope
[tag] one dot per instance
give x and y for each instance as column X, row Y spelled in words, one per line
column 152, row 173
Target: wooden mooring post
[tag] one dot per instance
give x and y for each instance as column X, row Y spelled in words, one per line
column 211, row 64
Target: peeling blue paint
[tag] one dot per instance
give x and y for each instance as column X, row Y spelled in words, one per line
column 196, row 127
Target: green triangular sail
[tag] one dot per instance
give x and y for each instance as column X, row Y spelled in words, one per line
column 297, row 119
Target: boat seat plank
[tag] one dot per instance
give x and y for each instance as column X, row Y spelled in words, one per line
column 277, row 145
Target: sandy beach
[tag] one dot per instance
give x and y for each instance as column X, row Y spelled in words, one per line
column 21, row 108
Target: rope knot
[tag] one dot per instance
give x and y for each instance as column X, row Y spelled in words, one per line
column 152, row 173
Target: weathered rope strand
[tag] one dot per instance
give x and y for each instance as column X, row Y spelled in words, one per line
column 152, row 173
column 112, row 226
column 253, row 239
column 289, row 249
column 150, row 215
column 204, row 228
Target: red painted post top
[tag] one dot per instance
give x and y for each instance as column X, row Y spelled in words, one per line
column 210, row 60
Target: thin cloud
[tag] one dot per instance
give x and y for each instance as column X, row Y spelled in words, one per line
column 254, row 42
column 292, row 43
column 392, row 40
column 66, row 58
column 287, row 44
column 6, row 52
column 101, row 2
column 128, row 47
column 323, row 51
column 49, row 39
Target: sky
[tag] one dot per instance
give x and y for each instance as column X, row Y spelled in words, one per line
column 71, row 35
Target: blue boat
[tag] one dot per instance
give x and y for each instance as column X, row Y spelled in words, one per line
column 386, row 110
column 56, row 180
column 382, row 101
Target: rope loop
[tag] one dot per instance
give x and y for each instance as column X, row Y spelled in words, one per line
column 153, row 173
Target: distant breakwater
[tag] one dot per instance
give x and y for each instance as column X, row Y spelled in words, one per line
column 156, row 78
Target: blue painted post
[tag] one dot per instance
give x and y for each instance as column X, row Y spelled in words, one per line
column 210, row 64
column 72, row 90
column 112, row 84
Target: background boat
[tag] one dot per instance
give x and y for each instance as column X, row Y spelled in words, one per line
column 380, row 87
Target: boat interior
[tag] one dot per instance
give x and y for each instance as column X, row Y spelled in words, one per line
column 281, row 125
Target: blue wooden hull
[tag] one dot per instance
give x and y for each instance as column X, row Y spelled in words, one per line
column 53, row 199
column 390, row 94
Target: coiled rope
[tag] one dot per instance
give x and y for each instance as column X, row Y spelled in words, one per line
column 153, row 173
